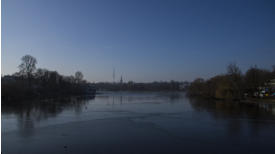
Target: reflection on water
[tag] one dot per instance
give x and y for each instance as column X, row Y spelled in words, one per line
column 155, row 107
column 221, row 109
column 27, row 114
column 163, row 122
column 240, row 118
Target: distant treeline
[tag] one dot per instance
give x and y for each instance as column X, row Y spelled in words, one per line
column 152, row 86
column 31, row 83
column 235, row 85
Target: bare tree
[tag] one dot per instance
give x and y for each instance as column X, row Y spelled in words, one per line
column 235, row 81
column 27, row 67
column 233, row 69
column 78, row 76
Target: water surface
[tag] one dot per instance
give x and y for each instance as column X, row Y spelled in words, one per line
column 138, row 122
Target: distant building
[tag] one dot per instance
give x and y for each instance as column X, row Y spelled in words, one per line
column 89, row 88
column 267, row 90
column 8, row 79
column 272, row 87
column 121, row 80
column 271, row 83
column 184, row 85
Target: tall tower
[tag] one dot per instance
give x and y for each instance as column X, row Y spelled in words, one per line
column 121, row 80
column 114, row 75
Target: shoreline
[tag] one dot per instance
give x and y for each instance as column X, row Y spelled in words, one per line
column 259, row 100
column 244, row 100
column 45, row 98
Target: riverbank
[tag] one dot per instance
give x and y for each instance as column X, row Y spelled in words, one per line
column 42, row 100
column 244, row 100
column 31, row 98
column 258, row 100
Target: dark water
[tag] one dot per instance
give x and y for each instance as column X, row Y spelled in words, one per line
column 138, row 122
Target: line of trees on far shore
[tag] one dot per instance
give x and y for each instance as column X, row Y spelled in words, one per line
column 31, row 82
column 134, row 86
column 235, row 85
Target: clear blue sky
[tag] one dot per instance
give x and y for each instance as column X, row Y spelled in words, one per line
column 144, row 40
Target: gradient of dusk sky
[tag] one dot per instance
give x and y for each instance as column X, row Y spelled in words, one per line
column 143, row 40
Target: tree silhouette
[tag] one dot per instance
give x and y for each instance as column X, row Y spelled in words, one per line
column 27, row 67
column 78, row 76
column 233, row 69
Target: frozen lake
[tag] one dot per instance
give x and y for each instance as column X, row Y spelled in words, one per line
column 138, row 122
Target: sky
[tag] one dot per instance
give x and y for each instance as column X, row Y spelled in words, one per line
column 143, row 40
